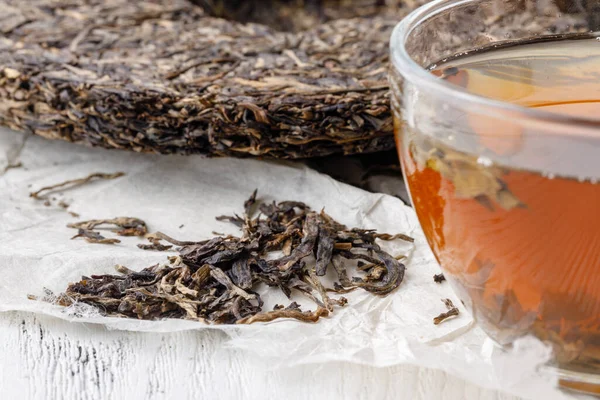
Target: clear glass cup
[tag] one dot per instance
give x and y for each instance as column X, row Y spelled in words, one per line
column 524, row 261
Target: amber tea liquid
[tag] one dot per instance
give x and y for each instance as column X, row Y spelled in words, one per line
column 523, row 244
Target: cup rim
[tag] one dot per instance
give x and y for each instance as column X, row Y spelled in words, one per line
column 419, row 76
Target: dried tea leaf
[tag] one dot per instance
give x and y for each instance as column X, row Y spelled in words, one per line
column 166, row 238
column 304, row 316
column 471, row 179
column 249, row 203
column 126, row 226
column 94, row 237
column 452, row 312
column 325, row 248
column 439, row 278
column 387, row 237
column 241, row 274
column 73, row 183
column 156, row 246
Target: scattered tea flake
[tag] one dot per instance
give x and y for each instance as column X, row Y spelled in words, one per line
column 339, row 289
column 250, row 202
column 214, row 280
column 387, row 237
column 375, row 274
column 390, row 279
column 155, row 245
column 167, row 238
column 94, row 237
column 73, row 183
column 451, row 313
column 343, row 246
column 48, row 297
column 287, row 247
column 125, row 226
column 312, row 279
column 241, row 273
column 74, row 214
column 63, row 204
column 439, row 278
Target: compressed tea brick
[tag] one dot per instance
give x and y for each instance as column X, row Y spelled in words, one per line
column 168, row 77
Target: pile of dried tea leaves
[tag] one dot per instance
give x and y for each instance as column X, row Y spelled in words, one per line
column 287, row 246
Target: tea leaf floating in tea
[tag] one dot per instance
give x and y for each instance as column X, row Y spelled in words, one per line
column 214, row 280
column 471, row 179
column 452, row 312
column 74, row 182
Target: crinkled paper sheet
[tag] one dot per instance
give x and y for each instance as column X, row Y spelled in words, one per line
column 181, row 196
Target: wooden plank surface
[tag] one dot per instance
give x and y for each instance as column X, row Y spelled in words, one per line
column 47, row 358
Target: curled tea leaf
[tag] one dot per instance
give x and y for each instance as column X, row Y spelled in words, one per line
column 125, row 226
column 155, row 245
column 73, row 183
column 452, row 312
column 94, row 237
column 304, row 316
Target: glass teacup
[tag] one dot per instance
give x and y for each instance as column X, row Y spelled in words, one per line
column 507, row 194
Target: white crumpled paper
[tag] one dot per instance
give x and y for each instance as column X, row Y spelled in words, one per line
column 181, row 196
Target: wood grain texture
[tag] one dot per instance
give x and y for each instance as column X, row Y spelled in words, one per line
column 45, row 358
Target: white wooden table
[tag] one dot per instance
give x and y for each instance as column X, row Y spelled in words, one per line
column 46, row 358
